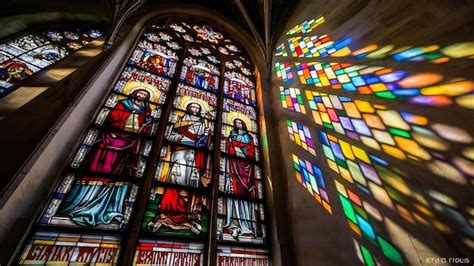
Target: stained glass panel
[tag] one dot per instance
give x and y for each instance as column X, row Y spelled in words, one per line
column 187, row 128
column 168, row 252
column 200, row 73
column 240, row 220
column 239, row 88
column 231, row 255
column 57, row 248
column 112, row 152
column 188, row 97
column 133, row 79
column 154, row 57
column 174, row 211
column 87, row 201
column 183, row 166
column 240, row 177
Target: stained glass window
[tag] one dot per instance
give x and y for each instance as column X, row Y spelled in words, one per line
column 158, row 128
column 29, row 53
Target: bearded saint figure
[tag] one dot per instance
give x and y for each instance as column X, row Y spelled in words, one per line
column 242, row 181
column 181, row 209
column 95, row 200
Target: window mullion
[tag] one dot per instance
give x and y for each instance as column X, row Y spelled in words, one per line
column 211, row 258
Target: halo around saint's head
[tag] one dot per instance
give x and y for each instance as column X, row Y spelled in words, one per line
column 231, row 116
column 132, row 86
column 186, row 100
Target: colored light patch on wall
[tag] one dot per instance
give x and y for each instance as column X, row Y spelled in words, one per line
column 283, row 72
column 281, row 50
column 311, row 178
column 432, row 53
column 300, row 134
column 376, row 126
column 306, row 26
column 364, row 254
column 291, row 99
column 359, row 222
column 429, row 53
column 314, row 46
column 376, row 177
column 383, row 82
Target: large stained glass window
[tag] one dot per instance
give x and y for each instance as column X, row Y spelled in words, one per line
column 29, row 53
column 174, row 146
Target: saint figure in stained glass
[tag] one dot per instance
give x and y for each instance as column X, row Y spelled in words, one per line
column 111, row 154
column 179, row 209
column 240, row 142
column 190, row 128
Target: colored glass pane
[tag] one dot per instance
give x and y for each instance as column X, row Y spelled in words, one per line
column 239, row 123
column 176, row 211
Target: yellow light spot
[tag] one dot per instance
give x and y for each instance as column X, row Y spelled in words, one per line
column 452, row 133
column 361, row 154
column 365, row 50
column 459, row 50
column 450, row 89
column 420, row 80
column 412, row 147
column 381, row 195
column 447, row 171
column 393, row 119
column 466, row 101
column 364, row 106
